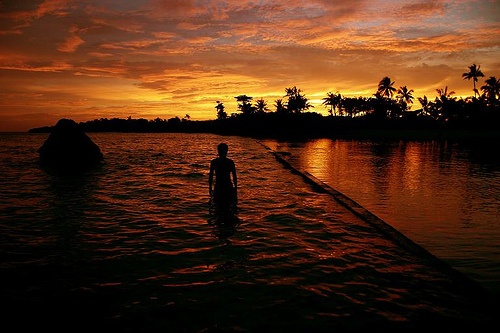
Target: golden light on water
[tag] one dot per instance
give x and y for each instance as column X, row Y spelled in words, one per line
column 317, row 157
column 412, row 168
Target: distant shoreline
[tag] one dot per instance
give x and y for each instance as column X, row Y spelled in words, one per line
column 303, row 126
column 470, row 136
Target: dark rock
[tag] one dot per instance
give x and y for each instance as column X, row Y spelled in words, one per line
column 69, row 149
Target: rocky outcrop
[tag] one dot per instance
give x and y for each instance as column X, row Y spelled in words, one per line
column 68, row 148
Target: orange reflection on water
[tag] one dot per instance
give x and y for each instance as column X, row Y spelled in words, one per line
column 402, row 182
column 411, row 165
column 317, row 157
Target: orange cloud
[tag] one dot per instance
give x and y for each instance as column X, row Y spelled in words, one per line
column 72, row 42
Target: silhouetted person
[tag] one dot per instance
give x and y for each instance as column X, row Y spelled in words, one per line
column 225, row 190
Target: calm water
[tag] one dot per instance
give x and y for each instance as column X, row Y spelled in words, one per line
column 134, row 246
column 444, row 196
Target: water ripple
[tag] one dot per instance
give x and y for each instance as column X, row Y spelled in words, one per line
column 137, row 237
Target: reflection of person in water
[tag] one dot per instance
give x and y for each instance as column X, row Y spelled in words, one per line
column 225, row 190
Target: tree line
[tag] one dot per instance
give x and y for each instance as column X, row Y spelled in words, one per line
column 388, row 102
column 387, row 110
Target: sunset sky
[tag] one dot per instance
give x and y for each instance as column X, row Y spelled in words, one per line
column 88, row 59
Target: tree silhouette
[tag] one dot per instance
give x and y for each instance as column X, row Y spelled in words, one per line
column 333, row 101
column 296, row 101
column 405, row 97
column 426, row 105
column 221, row 114
column 444, row 102
column 350, row 106
column 385, row 87
column 383, row 103
column 380, row 111
column 473, row 73
column 245, row 104
column 379, row 106
column 261, row 106
column 444, row 94
column 491, row 90
column 280, row 106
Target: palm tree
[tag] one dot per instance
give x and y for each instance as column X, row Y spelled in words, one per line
column 474, row 73
column 245, row 104
column 280, row 106
column 379, row 105
column 405, row 96
column 385, row 87
column 491, row 90
column 350, row 106
column 332, row 100
column 296, row 101
column 444, row 103
column 444, row 94
column 261, row 106
column 221, row 114
column 425, row 103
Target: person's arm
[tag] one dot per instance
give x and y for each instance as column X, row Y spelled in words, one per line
column 211, row 178
column 235, row 178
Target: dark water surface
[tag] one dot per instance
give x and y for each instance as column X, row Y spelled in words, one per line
column 443, row 195
column 133, row 246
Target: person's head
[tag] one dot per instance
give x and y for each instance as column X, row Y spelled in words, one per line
column 222, row 149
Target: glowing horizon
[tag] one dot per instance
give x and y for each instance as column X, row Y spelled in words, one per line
column 87, row 60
